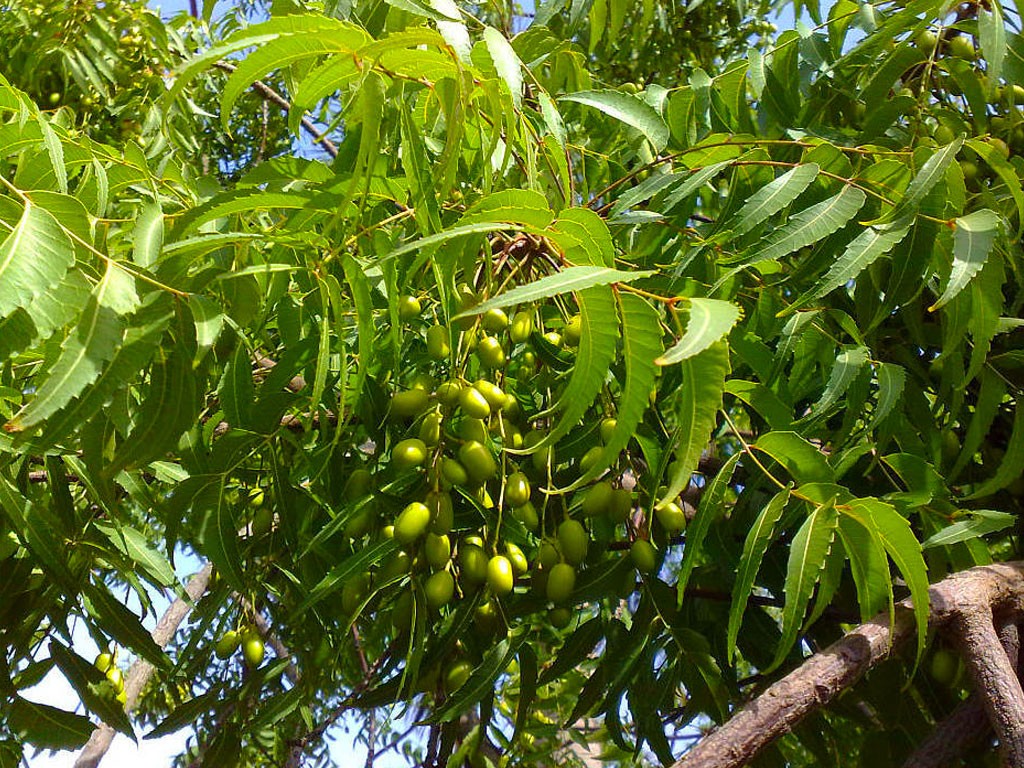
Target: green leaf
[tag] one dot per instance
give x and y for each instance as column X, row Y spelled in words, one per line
column 137, row 547
column 55, row 150
column 979, row 523
column 803, row 462
column 527, row 688
column 236, row 390
column 123, row 625
column 759, row 538
column 577, row 647
column 848, row 364
column 698, row 401
column 763, row 400
column 92, row 687
column 891, row 378
column 807, row 555
column 627, row 109
column 691, row 184
column 208, row 317
column 39, row 529
column 46, row 727
column 462, row 230
column 710, row 320
column 1011, row 466
column 1006, row 172
column 552, row 117
column 990, row 397
column 566, row 281
column 186, row 714
column 219, row 535
column 933, row 171
column 992, row 34
column 972, row 242
column 869, row 567
column 148, row 236
column 454, row 32
column 33, row 257
column 584, row 238
column 481, row 682
column 347, row 568
column 805, row 228
column 773, row 197
column 510, row 69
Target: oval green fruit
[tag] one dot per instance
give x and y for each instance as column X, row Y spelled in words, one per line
column 547, row 555
column 645, row 557
column 457, row 674
column 412, row 522
column 490, row 352
column 520, row 564
column 554, row 338
column 256, row 496
column 671, row 517
column 486, row 617
column 962, row 48
column 573, row 541
column 561, row 582
column 494, row 320
column 527, row 515
column 517, row 490
column 500, row 576
column 472, row 564
column 478, row 461
column 944, row 134
column 560, row 617
column 262, row 522
column 253, row 650
column 492, row 393
column 227, row 644
column 104, row 661
column 430, row 429
column 522, row 327
column 598, row 499
column 439, row 343
column 409, row 453
column 608, row 429
column 474, row 404
column 408, row 307
column 442, row 512
column 395, row 566
column 449, row 393
column 439, row 589
column 115, row 676
column 359, row 483
column 438, row 550
column 409, row 403
column 573, row 331
column 401, row 611
column 473, row 429
column 621, row 506
column 453, row 472
column 944, row 666
column 590, row 458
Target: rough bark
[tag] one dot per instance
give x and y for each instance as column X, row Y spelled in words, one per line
column 139, row 673
column 993, row 589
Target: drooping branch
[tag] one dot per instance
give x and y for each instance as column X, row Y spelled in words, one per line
column 990, row 590
column 140, row 671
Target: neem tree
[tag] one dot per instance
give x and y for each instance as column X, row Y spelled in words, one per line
column 549, row 406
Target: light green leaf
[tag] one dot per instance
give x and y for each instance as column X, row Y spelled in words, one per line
column 1006, row 172
column 47, row 727
column 773, row 197
column 891, row 378
column 644, row 191
column 552, row 117
column 148, row 237
column 933, row 171
column 1012, row 464
column 692, row 183
column 584, row 238
column 845, row 369
column 55, row 150
column 208, row 317
column 972, row 242
column 869, row 567
column 803, row 462
column 236, row 389
column 992, row 34
column 979, row 522
column 510, row 69
column 511, row 206
column 627, row 109
column 33, row 257
column 769, row 405
column 137, row 547
column 710, row 320
column 481, row 682
column 454, row 32
column 759, row 538
column 123, row 625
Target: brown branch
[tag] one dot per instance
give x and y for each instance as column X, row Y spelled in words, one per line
column 140, row 672
column 823, row 676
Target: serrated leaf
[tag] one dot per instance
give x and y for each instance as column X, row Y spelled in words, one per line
column 709, row 321
column 219, row 535
column 627, row 109
column 136, row 546
column 148, row 235
column 1011, row 466
column 584, row 238
column 55, row 151
column 773, row 197
column 972, row 242
column 1006, row 172
column 891, row 378
column 123, row 625
column 92, row 687
column 807, row 555
column 46, row 727
column 759, row 538
column 990, row 397
column 644, row 191
column 848, row 364
column 552, row 117
column 869, row 567
column 979, row 523
column 236, row 390
column 33, row 257
column 763, row 400
column 453, row 233
column 931, row 173
column 454, row 32
column 992, row 35
column 803, row 462
column 480, row 682
column 691, row 184
column 510, row 69
column 38, row 529
column 208, row 317
column 511, row 206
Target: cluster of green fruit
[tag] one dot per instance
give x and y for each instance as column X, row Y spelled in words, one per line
column 106, row 662
column 248, row 639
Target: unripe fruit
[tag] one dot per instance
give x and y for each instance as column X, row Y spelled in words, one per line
column 490, row 353
column 472, row 564
column 962, row 48
column 412, row 523
column 598, row 499
column 396, row 566
column 590, row 458
column 970, row 171
column 449, row 393
column 409, row 453
column 478, row 461
column 547, row 555
column 408, row 307
column 467, row 300
column 492, row 393
column 439, row 589
column 608, row 429
column 561, row 582
column 55, row 98
column 474, row 430
column 944, row 135
column 227, row 644
column 453, row 472
column 115, row 676
column 401, row 611
column 522, row 327
column 252, row 650
column 430, row 430
column 621, row 505
column 256, row 497
column 487, row 617
column 500, row 577
column 104, row 661
column 1000, row 147
column 573, row 331
column 354, row 592
column 439, row 345
column 442, row 513
column 437, row 550
column 944, row 666
column 644, row 556
column 474, row 404
column 494, row 320
column 388, row 532
column 926, row 41
column 527, row 515
column 560, row 617
column 122, row 697
column 573, row 540
column 553, row 338
column 262, row 522
column 359, row 483
column 671, row 517
column 456, row 675
column 517, row 490
column 520, row 564
column 409, row 403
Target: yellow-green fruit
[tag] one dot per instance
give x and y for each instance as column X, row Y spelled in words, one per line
column 358, row 525
column 397, row 565
column 401, row 611
column 409, row 453
column 671, row 517
column 227, row 644
column 262, row 522
column 256, row 497
column 590, row 458
column 500, row 576
column 542, row 457
column 478, row 461
column 560, row 617
column 926, row 41
column 517, row 490
column 472, row 564
column 520, row 564
column 573, row 540
column 388, row 532
column 122, row 697
column 104, row 661
column 430, row 429
column 492, row 393
column 359, row 483
column 473, row 429
column 1000, row 146
column 522, row 327
column 453, row 472
column 573, row 331
column 598, row 499
column 252, row 650
column 442, row 513
column 608, row 429
column 487, row 617
column 457, row 674
column 474, row 404
column 449, row 393
column 621, row 505
column 439, row 345
column 527, row 515
column 55, row 98
column 944, row 666
column 116, row 677
column 490, row 353
column 561, row 582
column 644, row 556
column 353, row 592
column 437, row 550
column 944, row 134
column 409, row 403
column 962, row 48
column 412, row 522
column 408, row 307
column 970, row 171
column 439, row 589
column 554, row 338
column 494, row 320
column 529, row 360
column 547, row 555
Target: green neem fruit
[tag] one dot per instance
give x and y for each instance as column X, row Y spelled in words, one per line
column 409, row 403
column 439, row 589
column 478, row 461
column 256, row 497
column 438, row 550
column 104, row 661
column 944, row 666
column 473, row 429
column 430, row 429
column 522, row 327
column 608, row 429
column 439, row 344
column 573, row 540
column 387, row 532
column 621, row 505
column 449, row 392
column 492, row 393
column 408, row 307
column 472, row 564
column 554, row 338
column 474, row 540
column 227, row 644
column 520, row 564
column 561, row 582
column 926, row 41
column 573, row 331
column 409, row 453
column 487, row 617
column 359, row 483
column 500, row 576
column 542, row 457
column 442, row 513
column 547, row 555
column 457, row 674
column 115, row 676
column 474, row 404
column 252, row 649
column 412, row 522
column 590, row 458
column 262, row 522
column 467, row 300
column 55, row 98
column 490, row 353
column 560, row 617
column 510, row 405
column 962, row 48
column 644, row 556
column 494, row 320
column 517, row 490
column 397, row 565
column 453, row 472
column 944, row 134
column 527, row 515
column 970, row 171
column 1000, row 146
column 671, row 517
column 401, row 611
column 354, row 592
column 598, row 499
column 122, row 697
